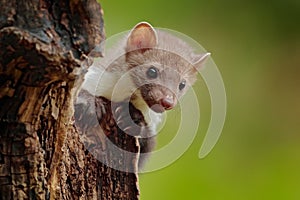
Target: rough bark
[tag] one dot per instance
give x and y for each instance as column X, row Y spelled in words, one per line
column 44, row 48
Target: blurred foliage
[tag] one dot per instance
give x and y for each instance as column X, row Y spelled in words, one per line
column 256, row 45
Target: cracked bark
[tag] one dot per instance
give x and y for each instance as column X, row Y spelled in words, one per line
column 43, row 57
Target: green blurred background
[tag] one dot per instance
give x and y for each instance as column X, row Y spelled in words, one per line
column 256, row 45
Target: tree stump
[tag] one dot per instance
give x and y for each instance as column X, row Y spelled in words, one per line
column 44, row 54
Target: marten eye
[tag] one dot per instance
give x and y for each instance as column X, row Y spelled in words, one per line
column 152, row 72
column 182, row 85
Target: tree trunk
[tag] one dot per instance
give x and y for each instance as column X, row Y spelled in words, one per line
column 44, row 48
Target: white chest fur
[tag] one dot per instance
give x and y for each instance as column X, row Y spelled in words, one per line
column 111, row 85
column 152, row 118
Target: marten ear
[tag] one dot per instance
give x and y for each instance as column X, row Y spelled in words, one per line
column 200, row 60
column 142, row 37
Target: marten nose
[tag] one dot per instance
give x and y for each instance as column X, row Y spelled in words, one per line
column 168, row 102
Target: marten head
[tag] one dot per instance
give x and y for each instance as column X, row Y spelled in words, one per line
column 161, row 75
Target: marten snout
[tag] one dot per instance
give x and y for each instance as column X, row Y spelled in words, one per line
column 158, row 98
column 167, row 102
